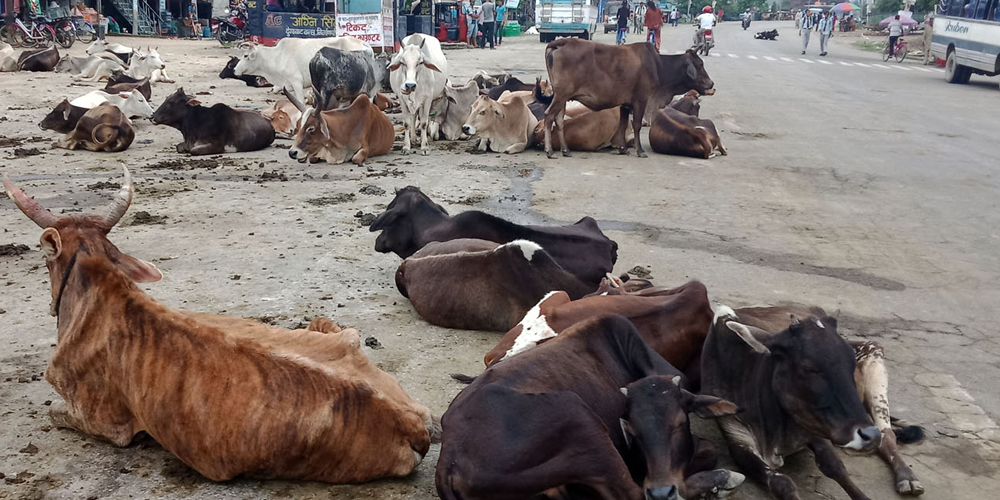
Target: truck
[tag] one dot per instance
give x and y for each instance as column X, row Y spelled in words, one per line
column 556, row 18
column 967, row 37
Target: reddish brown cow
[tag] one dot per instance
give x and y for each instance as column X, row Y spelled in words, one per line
column 227, row 396
column 102, row 128
column 677, row 130
column 674, row 322
column 340, row 135
column 604, row 76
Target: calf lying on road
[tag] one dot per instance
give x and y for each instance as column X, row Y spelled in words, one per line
column 480, row 285
column 799, row 388
column 593, row 412
column 101, row 128
column 219, row 129
column 249, row 80
column 38, row 60
column 676, row 132
column 505, row 126
column 227, row 396
column 341, row 135
column 412, row 220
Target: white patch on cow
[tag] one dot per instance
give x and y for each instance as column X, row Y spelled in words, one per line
column 872, row 381
column 534, row 329
column 856, row 443
column 723, row 312
column 819, row 324
column 528, row 248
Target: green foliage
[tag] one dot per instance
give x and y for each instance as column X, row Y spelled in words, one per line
column 735, row 7
column 888, row 5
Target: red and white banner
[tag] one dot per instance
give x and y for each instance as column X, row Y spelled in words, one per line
column 365, row 27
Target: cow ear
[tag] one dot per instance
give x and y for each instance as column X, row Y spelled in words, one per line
column 385, row 220
column 431, row 66
column 124, row 95
column 747, row 334
column 708, row 406
column 51, row 243
column 194, row 102
column 67, row 111
column 139, row 270
column 394, row 66
column 626, row 431
column 692, row 72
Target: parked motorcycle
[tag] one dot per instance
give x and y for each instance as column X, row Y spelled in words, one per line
column 231, row 28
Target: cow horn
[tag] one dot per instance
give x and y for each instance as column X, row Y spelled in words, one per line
column 121, row 202
column 34, row 210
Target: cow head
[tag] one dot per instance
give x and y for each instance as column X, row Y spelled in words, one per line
column 248, row 63
column 691, row 74
column 409, row 212
column 813, row 380
column 135, row 104
column 57, row 117
column 409, row 60
column 485, row 114
column 688, row 103
column 312, row 138
column 97, row 47
column 656, row 425
column 174, row 109
column 66, row 239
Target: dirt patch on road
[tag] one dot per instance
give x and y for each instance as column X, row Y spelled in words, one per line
column 334, row 199
column 26, row 152
column 13, row 249
column 193, row 163
column 143, row 218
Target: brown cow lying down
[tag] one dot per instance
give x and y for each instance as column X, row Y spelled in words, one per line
column 102, row 128
column 505, row 126
column 587, row 131
column 677, row 133
column 341, row 135
column 38, row 60
column 674, row 322
column 594, row 410
column 802, row 355
column 480, row 285
column 284, row 117
column 227, row 396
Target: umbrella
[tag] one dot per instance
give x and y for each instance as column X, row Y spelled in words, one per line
column 844, row 8
column 906, row 20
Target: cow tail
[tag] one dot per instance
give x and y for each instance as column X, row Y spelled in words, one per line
column 113, row 134
column 465, row 379
column 906, row 434
column 548, row 56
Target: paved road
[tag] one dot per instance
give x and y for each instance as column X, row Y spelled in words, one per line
column 859, row 186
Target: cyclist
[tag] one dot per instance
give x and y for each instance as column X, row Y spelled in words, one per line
column 653, row 21
column 895, row 31
column 706, row 20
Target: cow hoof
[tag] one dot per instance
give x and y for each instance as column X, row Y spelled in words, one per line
column 641, row 154
column 59, row 413
column 550, row 155
column 425, row 152
column 909, row 487
column 623, row 152
column 566, row 154
column 406, row 151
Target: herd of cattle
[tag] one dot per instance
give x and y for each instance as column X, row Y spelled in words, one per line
column 586, row 102
column 587, row 393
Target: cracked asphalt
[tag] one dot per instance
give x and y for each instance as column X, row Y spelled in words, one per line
column 865, row 190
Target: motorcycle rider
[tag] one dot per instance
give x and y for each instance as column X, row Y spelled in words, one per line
column 746, row 17
column 706, row 21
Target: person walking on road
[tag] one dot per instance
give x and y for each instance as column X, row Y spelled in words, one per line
column 928, row 34
column 825, row 32
column 805, row 29
column 653, row 21
column 500, row 21
column 895, row 31
column 675, row 17
column 488, row 18
column 624, row 12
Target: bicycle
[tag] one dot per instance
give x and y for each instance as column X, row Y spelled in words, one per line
column 65, row 31
column 899, row 52
column 85, row 32
column 19, row 35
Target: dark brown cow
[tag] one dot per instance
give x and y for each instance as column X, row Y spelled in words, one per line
column 351, row 134
column 480, row 285
column 102, row 128
column 63, row 118
column 677, row 133
column 798, row 388
column 673, row 322
column 604, row 76
column 214, row 130
column 870, row 377
column 38, row 60
column 594, row 413
column 512, row 84
column 688, row 103
column 413, row 220
column 142, row 86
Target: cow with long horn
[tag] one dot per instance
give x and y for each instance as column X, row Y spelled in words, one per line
column 227, row 396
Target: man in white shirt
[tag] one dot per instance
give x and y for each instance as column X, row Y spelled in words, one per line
column 804, row 29
column 825, row 31
column 895, row 31
column 705, row 22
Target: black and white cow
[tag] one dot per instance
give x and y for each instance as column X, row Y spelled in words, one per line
column 798, row 383
column 339, row 76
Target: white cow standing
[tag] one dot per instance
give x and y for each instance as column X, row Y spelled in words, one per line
column 286, row 65
column 418, row 76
